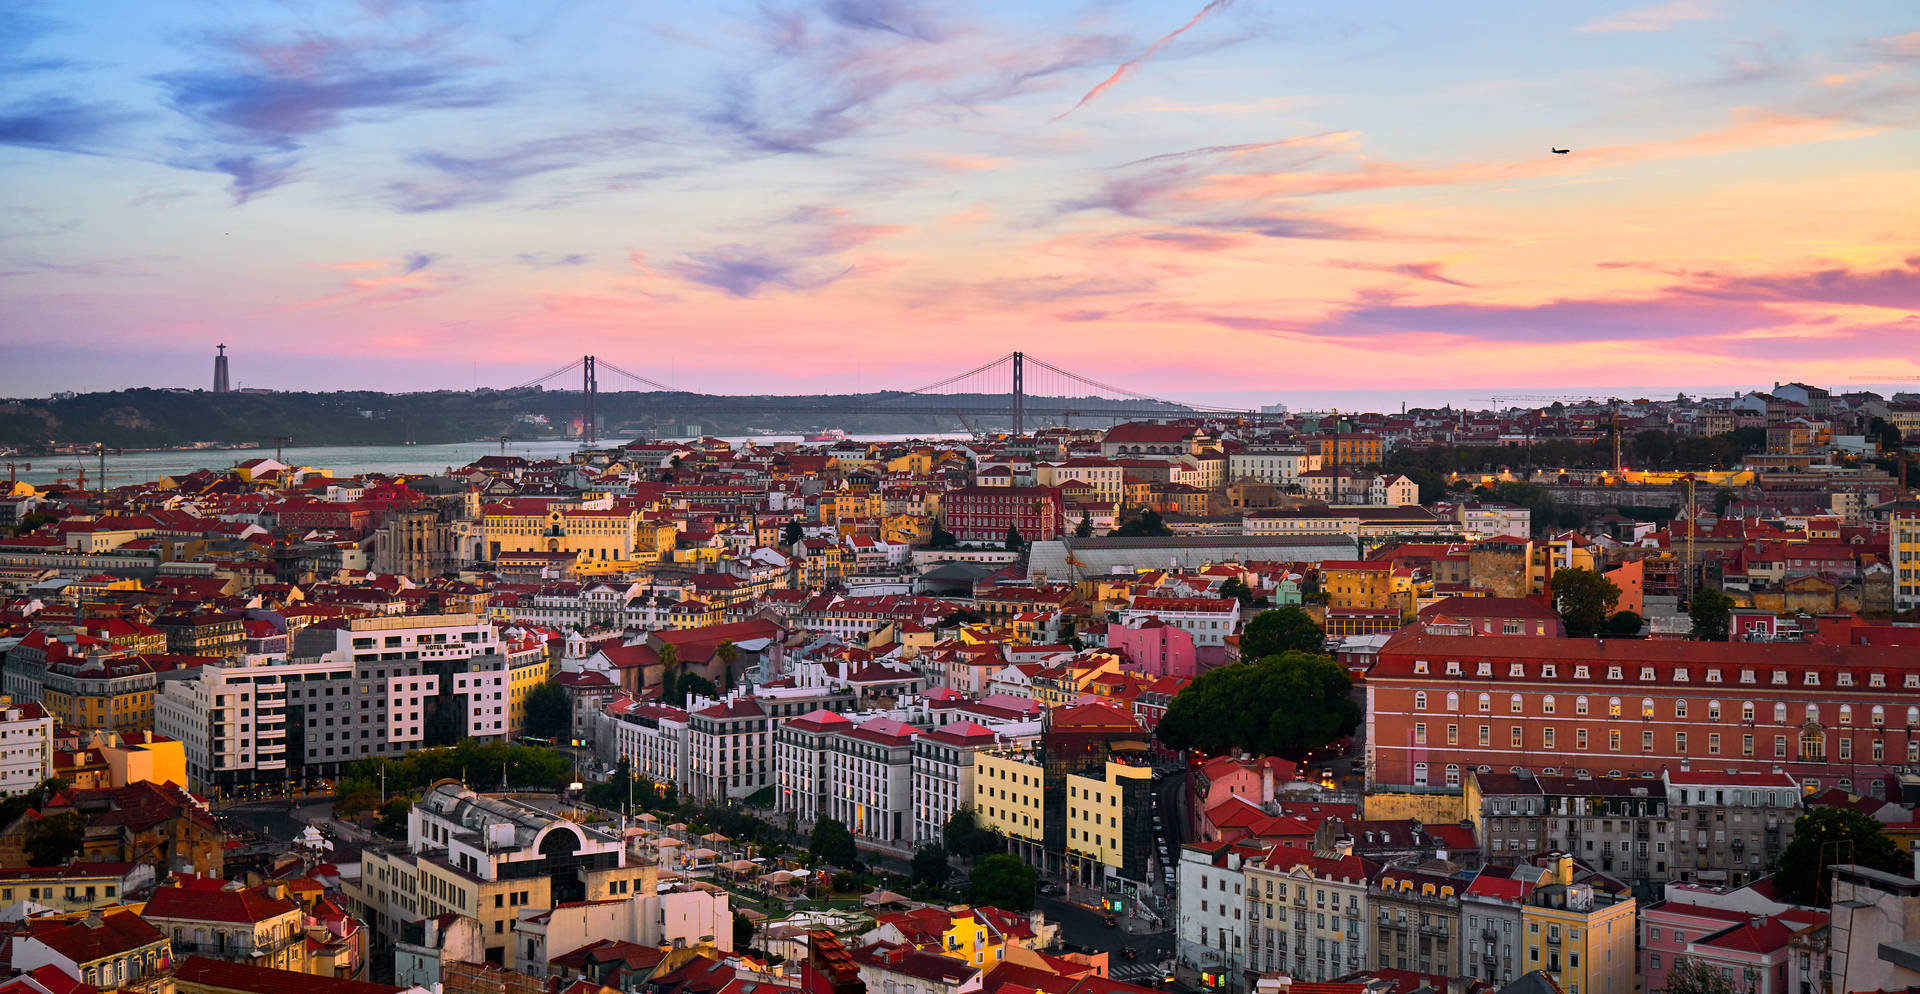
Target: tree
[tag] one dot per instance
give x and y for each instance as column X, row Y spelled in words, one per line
column 1690, row 976
column 962, row 835
column 1085, row 528
column 55, row 839
column 1279, row 704
column 930, row 867
column 1723, row 499
column 832, row 844
column 1147, row 525
column 793, row 534
column 727, row 653
column 1014, row 542
column 1285, row 629
column 1236, row 588
column 1005, row 882
column 742, row 932
column 1712, row 614
column 393, row 818
column 1624, row 623
column 1825, row 836
column 1584, row 598
column 690, row 685
column 940, row 538
column 550, row 712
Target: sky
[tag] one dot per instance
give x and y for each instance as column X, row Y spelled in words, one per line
column 1226, row 201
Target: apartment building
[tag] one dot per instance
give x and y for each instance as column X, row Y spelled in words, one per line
column 801, row 763
column 870, row 780
column 357, row 689
column 1729, row 828
column 729, row 749
column 1582, row 933
column 651, row 737
column 111, row 693
column 1208, row 619
column 1213, row 909
column 944, row 773
column 1619, row 825
column 26, row 748
column 492, row 859
column 601, row 532
column 1416, row 919
column 1307, row 913
column 1903, row 536
column 1279, row 465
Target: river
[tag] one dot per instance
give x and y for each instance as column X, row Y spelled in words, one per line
column 342, row 460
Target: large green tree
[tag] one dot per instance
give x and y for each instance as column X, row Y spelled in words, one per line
column 1712, row 616
column 1005, row 882
column 1276, row 705
column 832, row 843
column 963, row 836
column 930, row 867
column 550, row 712
column 1283, row 629
column 1147, row 525
column 1825, row 836
column 1584, row 598
column 55, row 839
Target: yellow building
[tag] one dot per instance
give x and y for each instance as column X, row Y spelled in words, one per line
column 1905, row 546
column 919, row 462
column 1009, row 794
column 523, row 524
column 100, row 693
column 1566, row 550
column 524, row 672
column 1094, row 812
column 1581, row 935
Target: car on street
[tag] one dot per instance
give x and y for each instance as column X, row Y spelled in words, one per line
column 1050, row 888
column 1110, row 922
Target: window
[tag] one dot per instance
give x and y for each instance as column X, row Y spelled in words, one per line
column 1579, row 705
column 1646, row 741
column 1513, row 704
column 1580, row 738
column 1546, row 737
column 1453, row 702
column 1546, row 704
column 1419, row 775
column 1613, row 707
column 1453, row 774
column 1646, row 707
column 1517, row 742
column 1486, row 703
column 1613, row 740
column 1420, row 700
column 1486, row 735
column 1680, row 743
column 1420, row 733
column 1453, row 735
column 1679, row 709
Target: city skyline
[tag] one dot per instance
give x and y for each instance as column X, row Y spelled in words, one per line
column 1204, row 201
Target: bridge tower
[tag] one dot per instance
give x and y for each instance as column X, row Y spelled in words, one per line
column 1019, row 394
column 589, row 386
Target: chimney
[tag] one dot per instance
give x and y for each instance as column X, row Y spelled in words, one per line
column 1563, row 869
column 1266, row 782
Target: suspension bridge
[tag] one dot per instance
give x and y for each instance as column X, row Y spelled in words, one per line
column 1032, row 388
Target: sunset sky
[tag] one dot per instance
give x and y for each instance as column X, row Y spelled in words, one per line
column 1209, row 201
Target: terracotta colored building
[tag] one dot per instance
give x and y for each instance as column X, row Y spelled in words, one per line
column 1438, row 705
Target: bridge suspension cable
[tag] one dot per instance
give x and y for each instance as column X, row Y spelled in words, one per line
column 951, row 380
column 655, row 384
column 536, row 381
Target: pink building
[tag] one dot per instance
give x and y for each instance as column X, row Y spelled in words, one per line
column 1155, row 648
column 1753, row 952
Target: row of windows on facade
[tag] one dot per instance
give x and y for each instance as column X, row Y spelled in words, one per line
column 1647, row 674
column 1516, row 705
column 1813, row 743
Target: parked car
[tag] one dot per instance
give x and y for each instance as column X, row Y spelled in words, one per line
column 1050, row 888
column 1110, row 922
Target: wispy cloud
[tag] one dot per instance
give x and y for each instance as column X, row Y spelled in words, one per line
column 1429, row 271
column 59, row 124
column 1127, row 68
column 549, row 260
column 450, row 181
column 413, row 262
column 1658, row 17
column 270, row 97
column 799, row 253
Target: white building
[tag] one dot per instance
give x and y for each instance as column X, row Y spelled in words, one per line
column 943, row 774
column 1280, row 465
column 870, row 780
column 651, row 737
column 1212, row 909
column 801, row 747
column 729, row 748
column 26, row 747
column 1208, row 619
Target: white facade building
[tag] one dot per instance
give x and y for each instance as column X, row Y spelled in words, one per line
column 26, row 747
